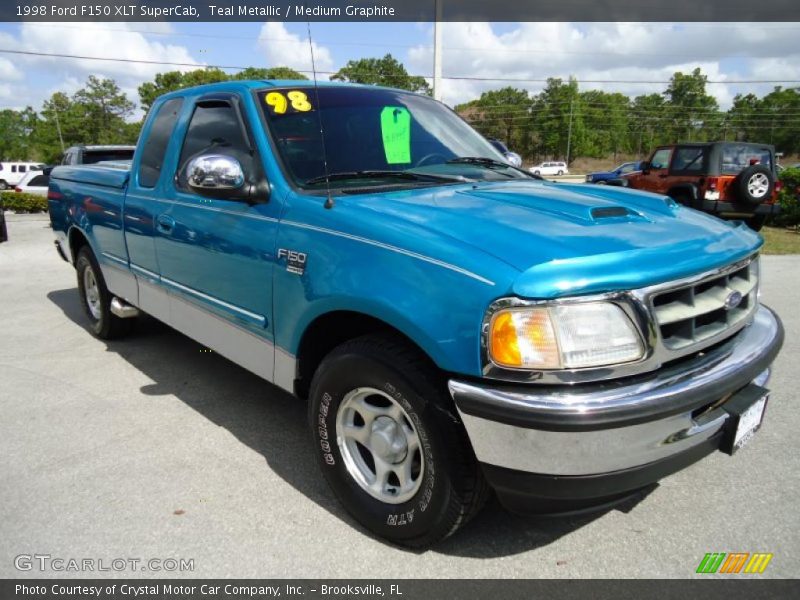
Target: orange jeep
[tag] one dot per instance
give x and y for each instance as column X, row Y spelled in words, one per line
column 732, row 180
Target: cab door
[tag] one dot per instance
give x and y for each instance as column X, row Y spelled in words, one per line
column 216, row 251
column 656, row 179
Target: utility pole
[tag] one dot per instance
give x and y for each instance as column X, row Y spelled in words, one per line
column 58, row 128
column 437, row 51
column 569, row 130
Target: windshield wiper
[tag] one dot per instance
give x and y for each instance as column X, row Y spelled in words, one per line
column 377, row 174
column 489, row 163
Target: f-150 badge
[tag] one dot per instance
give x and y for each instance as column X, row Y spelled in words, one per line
column 295, row 261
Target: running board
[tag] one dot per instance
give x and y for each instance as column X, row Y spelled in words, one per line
column 122, row 309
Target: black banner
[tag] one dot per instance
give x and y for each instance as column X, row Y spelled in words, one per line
column 402, row 10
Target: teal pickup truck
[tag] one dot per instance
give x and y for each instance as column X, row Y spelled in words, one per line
column 457, row 325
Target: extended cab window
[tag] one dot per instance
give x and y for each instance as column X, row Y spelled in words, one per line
column 689, row 160
column 660, row 158
column 155, row 147
column 216, row 129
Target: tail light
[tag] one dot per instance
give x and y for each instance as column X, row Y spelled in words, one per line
column 778, row 186
column 18, row 189
column 53, row 195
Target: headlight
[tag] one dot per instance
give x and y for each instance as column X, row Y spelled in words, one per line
column 563, row 336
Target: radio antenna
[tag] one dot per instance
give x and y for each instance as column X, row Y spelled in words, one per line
column 329, row 197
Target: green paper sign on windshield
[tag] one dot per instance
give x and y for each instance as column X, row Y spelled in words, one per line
column 396, row 130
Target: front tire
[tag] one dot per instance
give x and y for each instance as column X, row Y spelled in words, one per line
column 390, row 444
column 96, row 299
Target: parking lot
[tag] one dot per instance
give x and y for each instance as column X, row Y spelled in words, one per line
column 151, row 447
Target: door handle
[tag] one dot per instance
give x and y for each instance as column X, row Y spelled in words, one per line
column 165, row 223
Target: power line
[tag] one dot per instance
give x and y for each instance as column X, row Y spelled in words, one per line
column 451, row 77
column 544, row 50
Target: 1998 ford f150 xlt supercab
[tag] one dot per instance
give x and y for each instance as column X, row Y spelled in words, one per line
column 458, row 325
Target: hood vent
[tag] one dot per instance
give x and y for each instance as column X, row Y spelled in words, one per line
column 606, row 212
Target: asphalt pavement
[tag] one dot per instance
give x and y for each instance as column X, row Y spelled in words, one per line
column 150, row 448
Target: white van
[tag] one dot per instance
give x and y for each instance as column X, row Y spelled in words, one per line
column 11, row 173
column 550, row 168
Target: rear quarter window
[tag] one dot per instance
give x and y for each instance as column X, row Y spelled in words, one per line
column 155, row 146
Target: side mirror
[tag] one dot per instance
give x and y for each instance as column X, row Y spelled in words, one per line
column 645, row 167
column 215, row 175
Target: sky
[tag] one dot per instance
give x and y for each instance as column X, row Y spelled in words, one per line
column 642, row 54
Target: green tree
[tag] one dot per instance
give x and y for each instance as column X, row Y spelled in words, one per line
column 606, row 122
column 16, row 127
column 503, row 114
column 268, row 73
column 778, row 122
column 95, row 114
column 693, row 114
column 558, row 125
column 387, row 71
column 177, row 80
column 647, row 124
column 104, row 111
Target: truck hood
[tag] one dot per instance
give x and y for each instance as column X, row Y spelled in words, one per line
column 567, row 239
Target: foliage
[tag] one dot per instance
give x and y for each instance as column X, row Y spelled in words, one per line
column 23, row 203
column 176, row 80
column 16, row 127
column 562, row 121
column 387, row 71
column 789, row 199
column 96, row 114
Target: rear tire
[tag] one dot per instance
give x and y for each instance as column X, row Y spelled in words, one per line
column 3, row 185
column 561, row 172
column 96, row 299
column 414, row 485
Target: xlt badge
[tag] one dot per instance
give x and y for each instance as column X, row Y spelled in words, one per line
column 295, row 261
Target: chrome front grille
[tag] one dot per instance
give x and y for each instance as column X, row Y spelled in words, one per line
column 703, row 311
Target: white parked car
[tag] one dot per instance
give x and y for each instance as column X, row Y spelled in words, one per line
column 11, row 173
column 550, row 168
column 33, row 182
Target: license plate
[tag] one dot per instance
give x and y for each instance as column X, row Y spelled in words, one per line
column 749, row 422
column 746, row 412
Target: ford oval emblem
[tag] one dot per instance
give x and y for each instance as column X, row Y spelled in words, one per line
column 733, row 300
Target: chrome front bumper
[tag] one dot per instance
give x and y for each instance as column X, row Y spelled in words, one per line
column 612, row 426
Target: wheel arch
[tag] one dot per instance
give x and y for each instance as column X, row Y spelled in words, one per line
column 684, row 189
column 77, row 239
column 330, row 329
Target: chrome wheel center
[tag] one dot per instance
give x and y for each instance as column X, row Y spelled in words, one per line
column 387, row 440
column 380, row 445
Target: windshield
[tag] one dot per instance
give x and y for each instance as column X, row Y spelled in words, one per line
column 373, row 130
